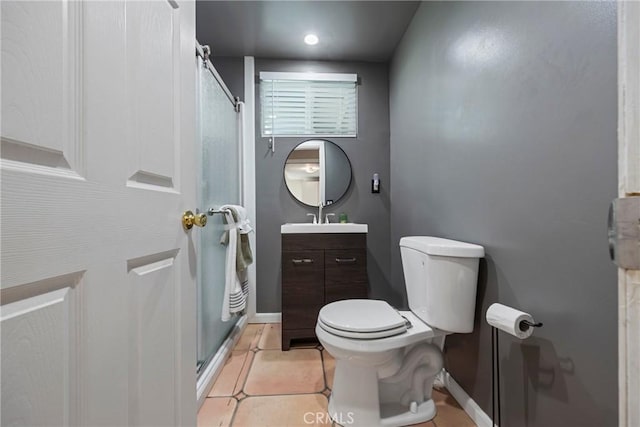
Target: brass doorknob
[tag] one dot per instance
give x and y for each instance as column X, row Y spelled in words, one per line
column 189, row 219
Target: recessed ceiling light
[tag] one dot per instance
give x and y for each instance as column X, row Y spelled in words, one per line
column 311, row 39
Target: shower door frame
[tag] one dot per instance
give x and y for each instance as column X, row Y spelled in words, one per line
column 214, row 362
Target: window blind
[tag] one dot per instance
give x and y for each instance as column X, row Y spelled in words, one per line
column 300, row 104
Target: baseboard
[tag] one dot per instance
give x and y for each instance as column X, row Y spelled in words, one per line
column 266, row 318
column 469, row 405
column 213, row 369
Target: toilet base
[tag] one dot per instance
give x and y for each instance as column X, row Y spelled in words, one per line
column 391, row 415
column 354, row 400
column 424, row 412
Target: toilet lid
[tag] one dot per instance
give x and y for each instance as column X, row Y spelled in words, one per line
column 362, row 316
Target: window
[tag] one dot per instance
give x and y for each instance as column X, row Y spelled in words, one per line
column 309, row 104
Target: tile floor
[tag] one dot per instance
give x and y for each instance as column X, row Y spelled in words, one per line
column 262, row 386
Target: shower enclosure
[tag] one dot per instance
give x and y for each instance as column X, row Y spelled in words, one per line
column 219, row 184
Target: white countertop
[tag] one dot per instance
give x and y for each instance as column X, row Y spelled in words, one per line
column 323, row 228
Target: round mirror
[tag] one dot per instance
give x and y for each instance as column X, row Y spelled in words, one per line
column 317, row 171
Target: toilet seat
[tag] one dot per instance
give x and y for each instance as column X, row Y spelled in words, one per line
column 363, row 335
column 361, row 319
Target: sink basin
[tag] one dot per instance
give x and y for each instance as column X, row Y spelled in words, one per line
column 349, row 227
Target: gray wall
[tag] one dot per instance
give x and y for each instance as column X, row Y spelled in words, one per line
column 369, row 154
column 503, row 133
column 231, row 69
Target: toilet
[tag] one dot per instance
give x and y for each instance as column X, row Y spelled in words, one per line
column 387, row 360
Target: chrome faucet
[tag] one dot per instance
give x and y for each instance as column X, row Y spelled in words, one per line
column 315, row 221
column 320, row 206
column 326, row 217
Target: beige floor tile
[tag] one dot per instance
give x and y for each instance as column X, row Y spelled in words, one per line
column 285, row 372
column 228, row 378
column 216, row 412
column 271, row 338
column 272, row 378
column 329, row 367
column 440, row 395
column 233, row 375
column 242, row 379
column 283, row 411
column 250, row 337
column 450, row 415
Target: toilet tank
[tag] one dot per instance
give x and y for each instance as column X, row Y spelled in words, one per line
column 441, row 277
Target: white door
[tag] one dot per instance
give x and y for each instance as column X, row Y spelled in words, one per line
column 98, row 276
column 629, row 192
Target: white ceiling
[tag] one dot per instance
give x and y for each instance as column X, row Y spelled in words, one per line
column 348, row 30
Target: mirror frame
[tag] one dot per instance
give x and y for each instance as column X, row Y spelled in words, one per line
column 284, row 178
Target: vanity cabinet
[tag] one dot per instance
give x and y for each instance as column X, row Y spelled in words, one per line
column 317, row 269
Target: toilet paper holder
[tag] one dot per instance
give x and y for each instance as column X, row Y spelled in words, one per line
column 525, row 324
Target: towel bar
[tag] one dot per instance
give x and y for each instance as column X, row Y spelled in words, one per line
column 213, row 211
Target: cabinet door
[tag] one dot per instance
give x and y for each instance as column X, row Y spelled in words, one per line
column 302, row 288
column 346, row 274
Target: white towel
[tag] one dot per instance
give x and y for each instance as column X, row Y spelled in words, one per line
column 244, row 225
column 236, row 287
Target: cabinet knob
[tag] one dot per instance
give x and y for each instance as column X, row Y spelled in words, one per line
column 302, row 261
column 346, row 260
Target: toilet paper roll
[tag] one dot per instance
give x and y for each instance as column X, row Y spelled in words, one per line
column 508, row 319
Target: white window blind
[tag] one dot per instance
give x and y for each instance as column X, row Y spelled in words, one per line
column 309, row 104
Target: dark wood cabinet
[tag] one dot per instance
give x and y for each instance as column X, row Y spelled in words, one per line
column 303, row 288
column 318, row 269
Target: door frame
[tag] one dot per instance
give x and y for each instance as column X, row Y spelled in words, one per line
column 629, row 186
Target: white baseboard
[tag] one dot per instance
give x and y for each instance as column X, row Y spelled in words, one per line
column 266, row 318
column 213, row 369
column 468, row 404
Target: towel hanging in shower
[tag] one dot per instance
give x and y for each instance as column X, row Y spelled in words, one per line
column 238, row 258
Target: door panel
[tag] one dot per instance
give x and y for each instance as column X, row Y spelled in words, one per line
column 153, row 46
column 37, row 359
column 152, row 340
column 98, row 276
column 40, row 86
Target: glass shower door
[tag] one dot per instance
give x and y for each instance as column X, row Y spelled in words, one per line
column 219, row 184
